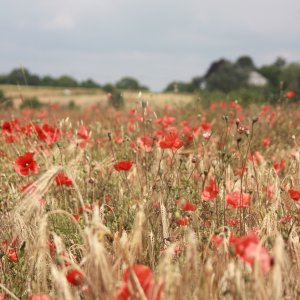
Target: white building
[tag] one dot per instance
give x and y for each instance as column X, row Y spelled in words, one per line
column 257, row 79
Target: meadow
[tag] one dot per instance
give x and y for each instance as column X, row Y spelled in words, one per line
column 87, row 96
column 169, row 201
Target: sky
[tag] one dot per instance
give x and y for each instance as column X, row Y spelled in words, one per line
column 154, row 41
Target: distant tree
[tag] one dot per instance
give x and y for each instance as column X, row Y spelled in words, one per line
column 22, row 76
column 291, row 76
column 215, row 67
column 129, row 83
column 18, row 76
column 225, row 77
column 34, row 80
column 171, row 87
column 89, row 83
column 280, row 62
column 273, row 74
column 245, row 62
column 108, row 87
column 66, row 81
column 196, row 83
column 3, row 79
column 2, row 97
column 48, row 81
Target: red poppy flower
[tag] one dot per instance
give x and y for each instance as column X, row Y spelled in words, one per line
column 235, row 105
column 27, row 129
column 232, row 238
column 143, row 273
column 279, row 166
column 25, row 164
column 165, row 121
column 256, row 157
column 242, row 242
column 10, row 139
column 186, row 206
column 266, row 142
column 233, row 222
column 12, row 255
column 4, row 245
column 2, row 297
column 257, row 252
column 187, row 130
column 290, row 94
column 146, row 143
column 216, row 240
column 124, row 165
column 183, row 221
column 52, row 247
column 171, row 141
column 39, row 297
column 62, row 179
column 294, row 194
column 118, row 137
column 248, row 248
column 75, row 277
column 132, row 111
column 47, row 133
column 26, row 186
column 145, row 278
column 223, row 104
column 269, row 191
column 213, row 106
column 211, row 191
column 76, row 217
column 84, row 208
column 206, row 126
column 84, row 132
column 6, row 127
column 238, row 200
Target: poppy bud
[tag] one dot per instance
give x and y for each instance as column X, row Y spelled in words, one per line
column 254, row 119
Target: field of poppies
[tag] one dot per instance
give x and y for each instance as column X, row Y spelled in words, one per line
column 167, row 203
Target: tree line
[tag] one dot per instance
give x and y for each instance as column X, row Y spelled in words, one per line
column 22, row 76
column 226, row 76
column 222, row 76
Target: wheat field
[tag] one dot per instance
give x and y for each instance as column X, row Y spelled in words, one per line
column 149, row 202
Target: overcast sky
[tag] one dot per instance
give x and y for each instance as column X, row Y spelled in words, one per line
column 155, row 41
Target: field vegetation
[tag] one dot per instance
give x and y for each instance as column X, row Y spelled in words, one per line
column 83, row 97
column 185, row 200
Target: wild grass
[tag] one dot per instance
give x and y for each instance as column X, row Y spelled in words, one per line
column 109, row 220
